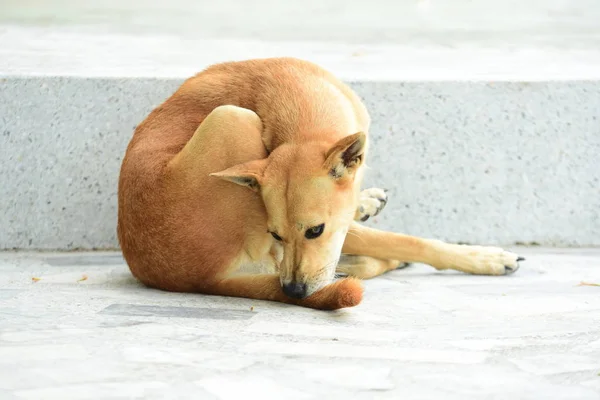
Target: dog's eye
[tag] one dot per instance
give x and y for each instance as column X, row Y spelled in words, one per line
column 276, row 236
column 314, row 232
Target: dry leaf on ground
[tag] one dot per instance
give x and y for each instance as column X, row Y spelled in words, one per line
column 588, row 284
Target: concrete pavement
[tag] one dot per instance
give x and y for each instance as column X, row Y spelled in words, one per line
column 78, row 326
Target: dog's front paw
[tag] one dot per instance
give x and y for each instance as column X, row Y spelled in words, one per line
column 484, row 260
column 370, row 203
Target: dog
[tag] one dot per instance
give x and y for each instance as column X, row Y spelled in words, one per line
column 246, row 182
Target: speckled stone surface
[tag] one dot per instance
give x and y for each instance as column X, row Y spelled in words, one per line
column 488, row 162
column 491, row 163
column 61, row 145
column 85, row 329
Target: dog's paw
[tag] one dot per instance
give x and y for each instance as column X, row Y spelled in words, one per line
column 483, row 260
column 371, row 202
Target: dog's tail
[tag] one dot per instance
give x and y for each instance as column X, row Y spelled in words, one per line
column 343, row 293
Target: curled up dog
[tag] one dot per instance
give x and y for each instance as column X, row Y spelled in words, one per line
column 247, row 182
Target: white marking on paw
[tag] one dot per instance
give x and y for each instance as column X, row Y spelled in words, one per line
column 371, row 202
column 485, row 260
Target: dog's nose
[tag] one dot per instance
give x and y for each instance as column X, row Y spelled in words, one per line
column 295, row 290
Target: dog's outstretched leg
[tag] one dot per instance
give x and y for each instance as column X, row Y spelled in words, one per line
column 479, row 260
column 371, row 202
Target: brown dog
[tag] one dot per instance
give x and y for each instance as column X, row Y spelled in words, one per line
column 246, row 182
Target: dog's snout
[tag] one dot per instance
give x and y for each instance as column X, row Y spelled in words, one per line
column 295, row 290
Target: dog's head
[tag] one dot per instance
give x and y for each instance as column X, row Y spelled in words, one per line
column 310, row 192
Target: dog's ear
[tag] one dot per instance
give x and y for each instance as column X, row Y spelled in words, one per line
column 247, row 174
column 346, row 155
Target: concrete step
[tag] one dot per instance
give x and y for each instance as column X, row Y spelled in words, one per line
column 477, row 144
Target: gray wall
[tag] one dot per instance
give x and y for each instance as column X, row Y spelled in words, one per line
column 500, row 163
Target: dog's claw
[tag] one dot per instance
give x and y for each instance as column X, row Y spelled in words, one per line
column 403, row 265
column 509, row 270
column 520, row 259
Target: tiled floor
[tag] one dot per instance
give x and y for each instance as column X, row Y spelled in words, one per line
column 78, row 326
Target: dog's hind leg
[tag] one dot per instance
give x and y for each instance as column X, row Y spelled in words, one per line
column 479, row 260
column 364, row 267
